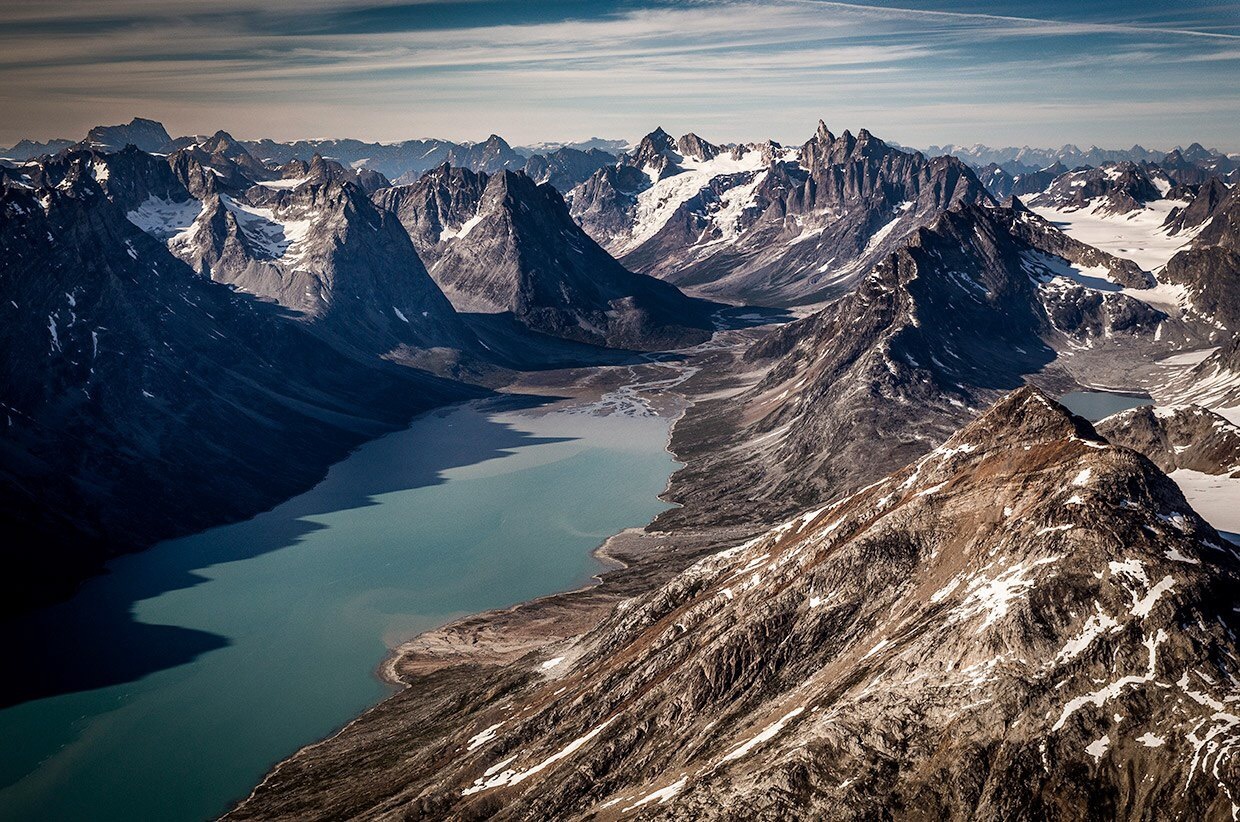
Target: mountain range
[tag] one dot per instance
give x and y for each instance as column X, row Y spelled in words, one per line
column 563, row 164
column 1029, row 159
column 899, row 579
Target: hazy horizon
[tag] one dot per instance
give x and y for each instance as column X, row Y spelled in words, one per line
column 632, row 138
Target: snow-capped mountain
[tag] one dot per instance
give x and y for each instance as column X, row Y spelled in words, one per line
column 141, row 399
column 1112, row 189
column 502, row 243
column 765, row 223
column 564, row 165
column 320, row 249
column 1182, row 234
column 1011, row 626
column 613, row 147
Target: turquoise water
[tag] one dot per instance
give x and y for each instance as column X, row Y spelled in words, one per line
column 1096, row 405
column 190, row 669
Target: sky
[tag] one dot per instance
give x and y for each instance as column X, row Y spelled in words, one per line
column 918, row 72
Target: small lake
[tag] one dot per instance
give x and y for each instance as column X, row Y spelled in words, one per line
column 1097, row 405
column 166, row 688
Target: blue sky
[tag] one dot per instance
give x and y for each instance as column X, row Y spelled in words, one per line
column 917, row 72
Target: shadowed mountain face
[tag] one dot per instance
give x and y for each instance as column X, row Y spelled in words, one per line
column 762, row 223
column 147, row 135
column 502, row 243
column 566, row 168
column 144, row 401
column 1008, row 627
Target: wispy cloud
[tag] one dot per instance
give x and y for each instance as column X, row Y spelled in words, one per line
column 750, row 68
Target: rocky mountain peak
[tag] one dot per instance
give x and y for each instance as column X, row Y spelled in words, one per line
column 1026, row 416
column 653, row 150
column 823, row 134
column 1196, row 151
column 221, row 142
column 659, row 139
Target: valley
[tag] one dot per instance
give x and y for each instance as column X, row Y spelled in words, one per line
column 439, row 480
column 257, row 638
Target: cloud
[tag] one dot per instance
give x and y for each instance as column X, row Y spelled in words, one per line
column 287, row 69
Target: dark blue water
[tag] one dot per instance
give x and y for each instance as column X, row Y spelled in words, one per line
column 190, row 669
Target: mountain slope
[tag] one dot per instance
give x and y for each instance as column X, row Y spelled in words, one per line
column 1213, row 383
column 501, row 243
column 969, row 308
column 1209, row 268
column 1011, row 627
column 1180, row 437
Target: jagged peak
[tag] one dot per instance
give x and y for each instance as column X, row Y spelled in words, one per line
column 823, row 133
column 445, row 173
column 658, row 139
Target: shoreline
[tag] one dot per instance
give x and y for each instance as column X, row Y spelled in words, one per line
column 387, row 671
column 635, row 559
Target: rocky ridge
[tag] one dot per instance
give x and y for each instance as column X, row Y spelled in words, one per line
column 974, row 305
column 761, row 223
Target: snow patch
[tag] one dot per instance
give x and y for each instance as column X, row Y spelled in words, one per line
column 165, row 220
column 766, row 735
column 661, row 795
column 1098, row 747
